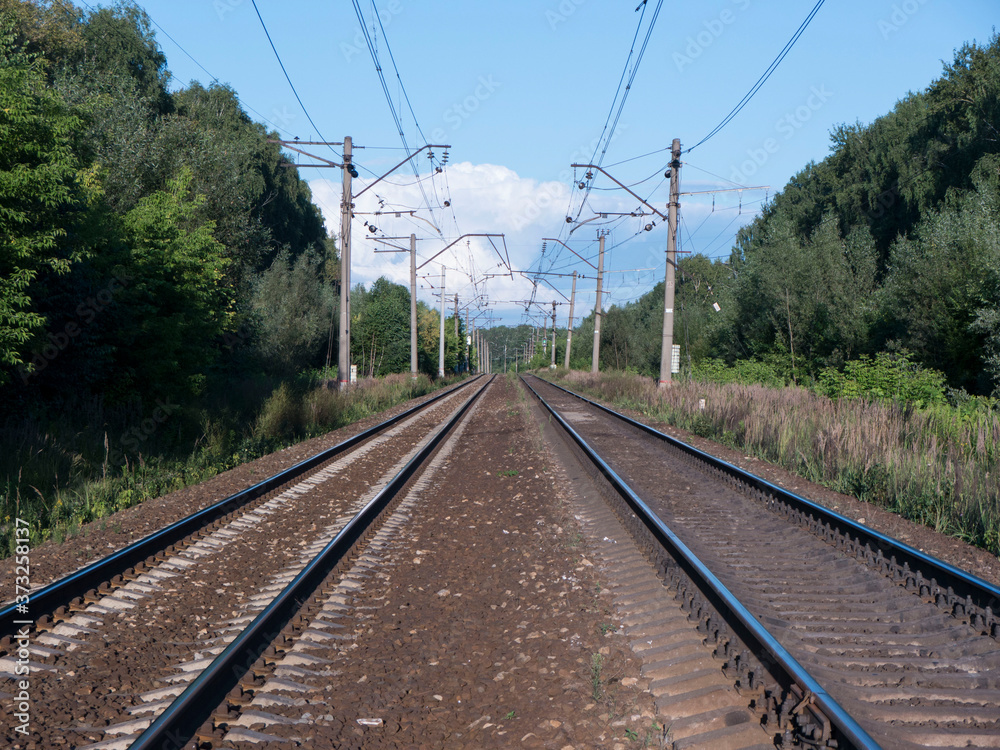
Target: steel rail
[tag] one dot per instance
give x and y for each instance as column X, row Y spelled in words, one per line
column 182, row 718
column 61, row 592
column 965, row 585
column 845, row 725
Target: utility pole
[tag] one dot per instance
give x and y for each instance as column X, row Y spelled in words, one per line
column 441, row 345
column 666, row 353
column 667, row 350
column 346, row 211
column 456, row 316
column 413, row 291
column 413, row 306
column 553, row 334
column 344, row 354
column 597, row 306
column 569, row 325
column 465, row 342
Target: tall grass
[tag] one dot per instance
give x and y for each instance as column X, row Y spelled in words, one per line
column 935, row 465
column 63, row 468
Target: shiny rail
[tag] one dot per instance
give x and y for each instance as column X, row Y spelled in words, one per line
column 61, row 593
column 753, row 635
column 180, row 721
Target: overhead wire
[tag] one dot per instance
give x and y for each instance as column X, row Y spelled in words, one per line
column 285, row 71
column 641, row 156
column 628, row 87
column 373, row 51
column 713, row 174
column 608, row 131
column 763, row 78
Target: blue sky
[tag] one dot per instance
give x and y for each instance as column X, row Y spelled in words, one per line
column 521, row 89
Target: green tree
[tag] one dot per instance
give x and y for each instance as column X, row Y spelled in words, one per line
column 942, row 293
column 121, row 39
column 700, row 282
column 294, row 309
column 175, row 292
column 380, row 338
column 40, row 194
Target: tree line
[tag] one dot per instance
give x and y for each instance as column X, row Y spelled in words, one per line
column 890, row 245
column 156, row 258
column 155, row 248
column 137, row 222
column 153, row 241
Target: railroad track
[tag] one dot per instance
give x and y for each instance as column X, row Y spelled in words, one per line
column 142, row 648
column 834, row 635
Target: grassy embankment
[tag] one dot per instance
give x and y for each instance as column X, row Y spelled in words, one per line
column 935, row 465
column 86, row 461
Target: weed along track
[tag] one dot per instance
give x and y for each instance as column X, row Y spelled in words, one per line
column 830, row 632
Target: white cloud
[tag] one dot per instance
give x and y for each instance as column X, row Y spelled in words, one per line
column 490, row 198
column 485, row 198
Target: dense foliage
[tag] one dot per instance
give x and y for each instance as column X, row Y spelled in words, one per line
column 888, row 248
column 135, row 220
column 891, row 243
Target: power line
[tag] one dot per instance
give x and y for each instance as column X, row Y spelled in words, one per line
column 398, row 78
column 283, row 70
column 713, row 174
column 641, row 156
column 385, row 90
column 763, row 79
column 624, row 98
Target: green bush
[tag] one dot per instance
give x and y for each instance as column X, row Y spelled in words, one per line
column 282, row 415
column 741, row 372
column 892, row 377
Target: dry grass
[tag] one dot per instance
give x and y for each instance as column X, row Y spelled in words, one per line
column 936, row 466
